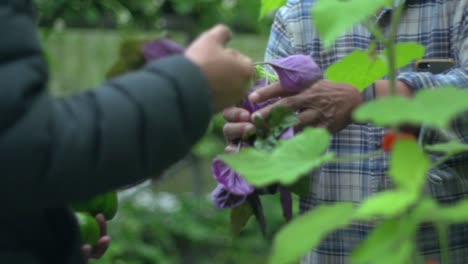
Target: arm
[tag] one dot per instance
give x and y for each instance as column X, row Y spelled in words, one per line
column 457, row 76
column 55, row 151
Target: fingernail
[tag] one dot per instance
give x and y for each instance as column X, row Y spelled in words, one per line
column 257, row 115
column 249, row 129
column 253, row 97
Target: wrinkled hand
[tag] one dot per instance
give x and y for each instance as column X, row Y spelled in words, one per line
column 103, row 243
column 228, row 71
column 238, row 126
column 326, row 104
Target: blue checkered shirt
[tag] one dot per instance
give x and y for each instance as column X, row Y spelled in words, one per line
column 442, row 27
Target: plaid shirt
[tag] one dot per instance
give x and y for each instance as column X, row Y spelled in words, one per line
column 442, row 27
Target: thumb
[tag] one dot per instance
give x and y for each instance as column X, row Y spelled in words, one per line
column 220, row 33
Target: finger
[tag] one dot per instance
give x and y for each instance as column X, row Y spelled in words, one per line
column 231, row 148
column 101, row 248
column 236, row 114
column 294, row 103
column 246, row 64
column 249, row 66
column 233, row 131
column 220, row 33
column 307, row 118
column 268, row 92
column 87, row 250
column 101, row 219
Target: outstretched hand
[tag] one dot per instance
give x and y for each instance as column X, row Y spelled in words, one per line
column 228, row 71
column 326, row 104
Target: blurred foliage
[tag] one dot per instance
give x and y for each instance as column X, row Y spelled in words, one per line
column 190, row 16
column 162, row 228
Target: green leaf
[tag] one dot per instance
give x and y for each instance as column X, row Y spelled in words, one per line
column 429, row 211
column 334, row 17
column 436, row 107
column 451, row 148
column 263, row 73
column 290, row 160
column 385, row 204
column 301, row 186
column 282, row 117
column 360, row 69
column 453, row 214
column 291, row 244
column 390, row 242
column 240, row 215
column 357, row 69
column 409, row 165
column 270, row 5
column 407, row 52
column 425, row 210
column 208, row 147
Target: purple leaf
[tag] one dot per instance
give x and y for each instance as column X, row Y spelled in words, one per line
column 297, row 72
column 287, row 134
column 161, row 48
column 232, row 181
column 286, row 203
column 223, row 199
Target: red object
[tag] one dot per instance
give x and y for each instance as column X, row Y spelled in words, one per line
column 391, row 137
column 431, row 261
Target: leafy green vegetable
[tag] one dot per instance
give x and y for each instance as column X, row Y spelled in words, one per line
column 290, row 243
column 289, row 161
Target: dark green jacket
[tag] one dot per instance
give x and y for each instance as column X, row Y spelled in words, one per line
column 57, row 151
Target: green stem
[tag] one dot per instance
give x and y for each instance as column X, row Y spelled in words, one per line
column 444, row 243
column 375, row 31
column 391, row 50
column 441, row 161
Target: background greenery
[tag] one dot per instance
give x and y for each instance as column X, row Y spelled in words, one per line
column 169, row 220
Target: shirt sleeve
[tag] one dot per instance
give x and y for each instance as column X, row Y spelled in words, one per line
column 280, row 40
column 458, row 75
column 55, row 151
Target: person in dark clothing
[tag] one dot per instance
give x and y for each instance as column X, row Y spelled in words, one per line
column 54, row 152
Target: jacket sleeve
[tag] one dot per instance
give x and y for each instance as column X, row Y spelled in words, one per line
column 457, row 76
column 55, row 151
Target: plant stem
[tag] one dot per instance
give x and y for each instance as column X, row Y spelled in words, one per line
column 375, row 31
column 444, row 243
column 441, row 161
column 391, row 48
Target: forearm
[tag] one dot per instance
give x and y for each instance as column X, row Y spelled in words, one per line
column 382, row 89
column 56, row 151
